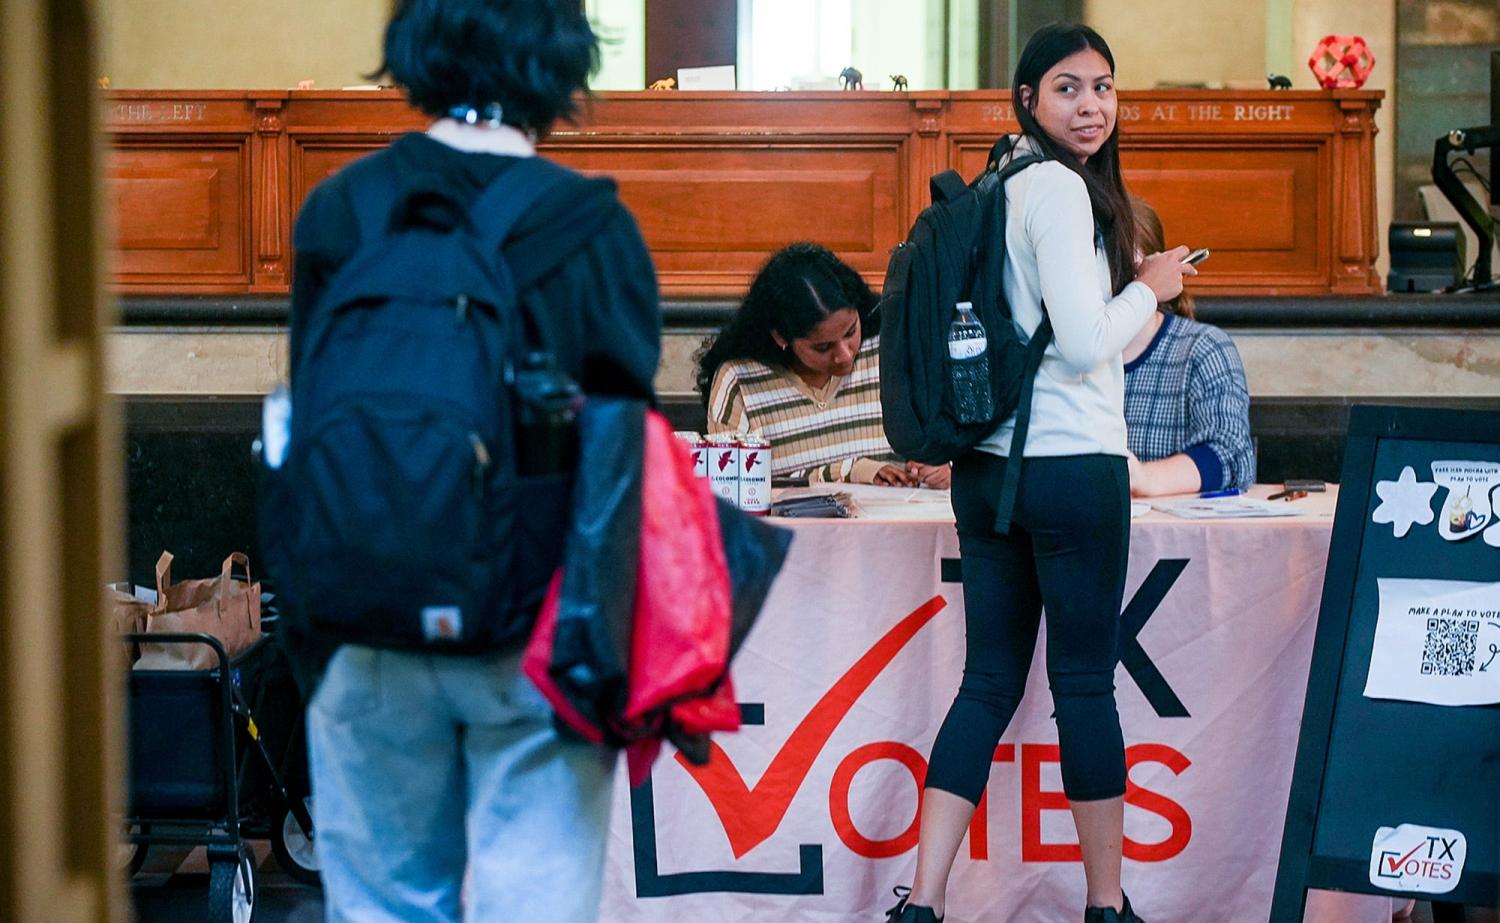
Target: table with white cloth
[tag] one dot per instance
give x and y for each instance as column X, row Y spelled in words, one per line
column 809, row 813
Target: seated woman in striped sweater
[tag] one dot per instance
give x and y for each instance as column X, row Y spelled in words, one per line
column 799, row 363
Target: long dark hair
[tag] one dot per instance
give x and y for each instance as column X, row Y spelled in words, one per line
column 796, row 290
column 1151, row 237
column 1101, row 174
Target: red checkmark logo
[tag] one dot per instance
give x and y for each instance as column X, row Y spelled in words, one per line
column 1397, row 863
column 751, row 815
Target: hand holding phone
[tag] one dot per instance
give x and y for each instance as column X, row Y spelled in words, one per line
column 1163, row 272
column 1196, row 257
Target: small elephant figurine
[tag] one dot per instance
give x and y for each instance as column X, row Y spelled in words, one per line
column 899, row 83
column 1279, row 82
column 851, row 79
column 665, row 83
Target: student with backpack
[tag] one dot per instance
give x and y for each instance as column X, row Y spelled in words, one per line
column 453, row 293
column 1069, row 257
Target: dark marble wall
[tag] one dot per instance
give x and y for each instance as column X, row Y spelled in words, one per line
column 191, row 479
column 1442, row 82
column 190, row 484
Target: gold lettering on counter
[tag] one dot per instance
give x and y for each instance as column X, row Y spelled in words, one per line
column 1176, row 112
column 158, row 112
column 1263, row 112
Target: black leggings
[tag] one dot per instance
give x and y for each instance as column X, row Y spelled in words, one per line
column 1066, row 551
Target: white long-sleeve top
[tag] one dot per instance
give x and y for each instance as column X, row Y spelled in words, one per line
column 1078, row 406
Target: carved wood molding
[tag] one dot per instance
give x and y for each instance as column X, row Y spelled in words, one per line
column 271, row 207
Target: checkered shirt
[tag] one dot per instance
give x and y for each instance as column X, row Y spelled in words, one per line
column 1187, row 393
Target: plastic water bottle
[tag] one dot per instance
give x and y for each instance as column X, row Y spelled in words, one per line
column 969, row 366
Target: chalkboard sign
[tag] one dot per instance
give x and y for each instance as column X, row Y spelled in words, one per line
column 1393, row 794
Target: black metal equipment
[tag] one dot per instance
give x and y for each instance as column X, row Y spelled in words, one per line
column 1474, row 214
column 1425, row 256
column 201, row 773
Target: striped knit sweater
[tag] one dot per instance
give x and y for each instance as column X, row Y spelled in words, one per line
column 833, row 433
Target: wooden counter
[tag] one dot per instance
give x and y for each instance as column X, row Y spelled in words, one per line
column 1280, row 185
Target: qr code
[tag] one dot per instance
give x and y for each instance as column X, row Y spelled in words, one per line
column 1452, row 645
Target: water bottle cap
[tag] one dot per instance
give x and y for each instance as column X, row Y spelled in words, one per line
column 966, row 305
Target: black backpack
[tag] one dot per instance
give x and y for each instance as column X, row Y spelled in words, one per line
column 398, row 517
column 955, row 252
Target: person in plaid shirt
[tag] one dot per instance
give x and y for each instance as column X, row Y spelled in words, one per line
column 1187, row 408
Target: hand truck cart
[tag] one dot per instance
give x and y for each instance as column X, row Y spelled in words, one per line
column 201, row 773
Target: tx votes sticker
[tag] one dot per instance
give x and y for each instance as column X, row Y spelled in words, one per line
column 1412, row 858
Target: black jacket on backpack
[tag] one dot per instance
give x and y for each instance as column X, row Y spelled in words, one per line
column 579, row 266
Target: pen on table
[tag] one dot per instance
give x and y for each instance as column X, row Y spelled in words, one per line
column 1227, row 492
column 1288, row 495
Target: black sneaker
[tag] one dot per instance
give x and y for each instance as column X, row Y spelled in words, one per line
column 909, row 913
column 1125, row 914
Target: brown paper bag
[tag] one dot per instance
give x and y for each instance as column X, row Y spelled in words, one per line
column 218, row 606
column 127, row 614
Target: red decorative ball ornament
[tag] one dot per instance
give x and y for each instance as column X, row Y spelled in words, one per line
column 1342, row 62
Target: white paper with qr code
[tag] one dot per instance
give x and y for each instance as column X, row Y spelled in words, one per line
column 1436, row 641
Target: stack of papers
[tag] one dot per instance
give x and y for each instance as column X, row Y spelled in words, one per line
column 869, row 501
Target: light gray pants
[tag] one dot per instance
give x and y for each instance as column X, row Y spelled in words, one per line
column 424, row 765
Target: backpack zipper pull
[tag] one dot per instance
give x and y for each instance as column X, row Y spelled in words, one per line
column 481, row 461
column 461, row 307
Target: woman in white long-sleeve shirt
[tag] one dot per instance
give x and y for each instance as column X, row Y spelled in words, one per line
column 1070, row 251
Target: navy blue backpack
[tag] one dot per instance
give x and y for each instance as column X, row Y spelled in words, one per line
column 399, row 517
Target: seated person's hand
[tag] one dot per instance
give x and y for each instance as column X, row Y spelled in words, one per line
column 937, row 477
column 894, row 476
column 1137, row 473
column 1142, row 483
column 1175, row 474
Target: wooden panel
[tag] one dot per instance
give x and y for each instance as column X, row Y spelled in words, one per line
column 314, row 160
column 1258, row 211
column 711, row 213
column 1231, row 208
column 724, row 211
column 1279, row 184
column 179, row 211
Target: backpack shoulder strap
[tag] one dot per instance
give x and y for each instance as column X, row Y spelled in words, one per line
column 1019, row 164
column 1001, row 147
column 1011, row 483
column 948, row 186
column 510, row 196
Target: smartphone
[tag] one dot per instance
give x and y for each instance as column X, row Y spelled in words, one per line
column 1196, row 257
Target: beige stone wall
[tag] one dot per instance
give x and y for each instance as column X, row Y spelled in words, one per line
column 1278, row 363
column 240, row 44
column 1167, row 41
